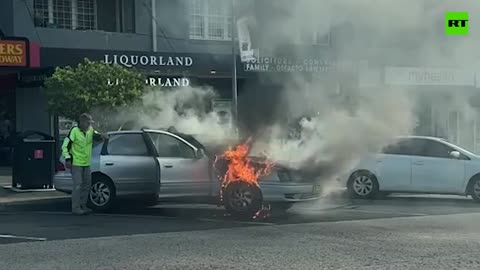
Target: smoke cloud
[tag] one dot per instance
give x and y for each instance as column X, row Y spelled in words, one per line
column 187, row 109
column 323, row 123
column 337, row 121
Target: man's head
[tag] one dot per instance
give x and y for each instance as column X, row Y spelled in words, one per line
column 85, row 121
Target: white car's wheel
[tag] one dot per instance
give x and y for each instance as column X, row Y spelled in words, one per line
column 475, row 189
column 362, row 185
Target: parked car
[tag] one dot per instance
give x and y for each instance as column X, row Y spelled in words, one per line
column 416, row 164
column 161, row 164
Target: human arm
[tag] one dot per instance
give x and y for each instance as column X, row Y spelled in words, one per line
column 67, row 146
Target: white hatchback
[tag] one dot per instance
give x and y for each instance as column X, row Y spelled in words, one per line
column 416, row 164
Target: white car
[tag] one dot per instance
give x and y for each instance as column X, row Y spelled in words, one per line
column 416, row 164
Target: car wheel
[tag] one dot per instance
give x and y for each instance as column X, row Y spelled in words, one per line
column 242, row 200
column 475, row 189
column 102, row 194
column 362, row 185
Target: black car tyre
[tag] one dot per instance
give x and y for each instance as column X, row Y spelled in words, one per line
column 362, row 185
column 242, row 200
column 474, row 189
column 102, row 194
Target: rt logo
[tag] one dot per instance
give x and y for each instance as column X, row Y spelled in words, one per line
column 456, row 23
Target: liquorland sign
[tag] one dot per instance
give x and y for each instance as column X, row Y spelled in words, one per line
column 148, row 60
column 14, row 52
column 158, row 81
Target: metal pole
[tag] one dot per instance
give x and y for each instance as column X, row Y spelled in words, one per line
column 234, row 71
column 154, row 25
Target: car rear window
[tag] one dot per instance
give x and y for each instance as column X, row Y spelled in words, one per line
column 127, row 144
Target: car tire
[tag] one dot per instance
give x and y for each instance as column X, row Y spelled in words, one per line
column 474, row 189
column 242, row 200
column 102, row 194
column 362, row 185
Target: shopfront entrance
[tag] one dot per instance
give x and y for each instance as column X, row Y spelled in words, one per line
column 443, row 108
column 7, row 117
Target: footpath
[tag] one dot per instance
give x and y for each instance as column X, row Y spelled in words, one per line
column 11, row 197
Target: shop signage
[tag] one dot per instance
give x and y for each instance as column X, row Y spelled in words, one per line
column 14, row 52
column 428, row 76
column 148, row 60
column 275, row 64
column 158, row 81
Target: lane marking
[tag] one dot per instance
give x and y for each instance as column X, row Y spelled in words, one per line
column 385, row 212
column 102, row 215
column 153, row 216
column 237, row 222
column 22, row 237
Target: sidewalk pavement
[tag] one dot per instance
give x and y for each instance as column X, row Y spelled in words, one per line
column 9, row 197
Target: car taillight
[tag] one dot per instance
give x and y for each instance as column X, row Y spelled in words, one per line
column 60, row 167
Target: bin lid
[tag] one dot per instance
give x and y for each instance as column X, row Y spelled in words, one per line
column 35, row 135
column 38, row 140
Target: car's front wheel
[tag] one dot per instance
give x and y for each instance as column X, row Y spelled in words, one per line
column 475, row 189
column 242, row 200
column 102, row 194
column 363, row 185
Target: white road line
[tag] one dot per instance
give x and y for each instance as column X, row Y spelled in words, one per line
column 103, row 215
column 22, row 237
column 385, row 212
column 153, row 216
column 238, row 222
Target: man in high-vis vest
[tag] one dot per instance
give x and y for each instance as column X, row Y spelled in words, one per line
column 77, row 151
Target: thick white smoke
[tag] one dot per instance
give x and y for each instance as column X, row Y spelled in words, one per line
column 187, row 109
column 386, row 32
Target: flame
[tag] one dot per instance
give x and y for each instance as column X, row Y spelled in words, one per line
column 241, row 167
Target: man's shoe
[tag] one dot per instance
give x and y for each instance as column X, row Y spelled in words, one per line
column 87, row 211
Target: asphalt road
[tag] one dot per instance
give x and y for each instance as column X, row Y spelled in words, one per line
column 399, row 232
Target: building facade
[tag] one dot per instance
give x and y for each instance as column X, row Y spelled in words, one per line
column 175, row 43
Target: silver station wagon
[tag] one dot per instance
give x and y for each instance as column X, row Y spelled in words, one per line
column 157, row 164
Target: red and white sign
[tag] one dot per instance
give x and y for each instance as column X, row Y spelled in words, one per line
column 38, row 154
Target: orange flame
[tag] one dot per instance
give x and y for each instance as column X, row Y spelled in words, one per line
column 241, row 168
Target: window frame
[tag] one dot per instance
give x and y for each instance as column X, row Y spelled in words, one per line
column 178, row 138
column 205, row 18
column 73, row 15
column 150, row 150
column 398, row 144
column 446, row 146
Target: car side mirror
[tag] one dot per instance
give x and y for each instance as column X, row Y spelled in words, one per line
column 455, row 154
column 199, row 153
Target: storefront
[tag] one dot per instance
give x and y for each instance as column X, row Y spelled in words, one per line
column 17, row 56
column 445, row 108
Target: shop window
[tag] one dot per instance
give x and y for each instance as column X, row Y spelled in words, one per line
column 314, row 38
column 66, row 14
column 116, row 15
column 210, row 19
column 453, row 127
column 107, row 15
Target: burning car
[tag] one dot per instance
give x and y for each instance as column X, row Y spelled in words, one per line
column 170, row 165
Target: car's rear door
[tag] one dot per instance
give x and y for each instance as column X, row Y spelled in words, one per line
column 130, row 163
column 181, row 172
column 395, row 166
column 435, row 170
